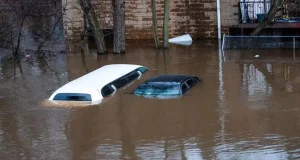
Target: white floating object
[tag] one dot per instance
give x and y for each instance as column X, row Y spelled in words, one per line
column 183, row 40
column 256, row 56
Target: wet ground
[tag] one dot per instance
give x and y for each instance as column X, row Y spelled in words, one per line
column 244, row 108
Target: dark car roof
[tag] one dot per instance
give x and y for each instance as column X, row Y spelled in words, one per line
column 170, row 78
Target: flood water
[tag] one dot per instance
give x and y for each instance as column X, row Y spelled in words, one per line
column 244, row 107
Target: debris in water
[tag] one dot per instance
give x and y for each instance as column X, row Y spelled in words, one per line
column 183, row 40
column 256, row 56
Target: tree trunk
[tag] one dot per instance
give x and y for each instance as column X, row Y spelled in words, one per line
column 95, row 27
column 17, row 48
column 119, row 26
column 275, row 7
column 154, row 24
column 166, row 23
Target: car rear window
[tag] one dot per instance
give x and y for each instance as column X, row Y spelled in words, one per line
column 192, row 82
column 184, row 88
column 72, row 97
column 158, row 89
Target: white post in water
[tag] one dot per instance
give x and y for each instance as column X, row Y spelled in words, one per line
column 219, row 19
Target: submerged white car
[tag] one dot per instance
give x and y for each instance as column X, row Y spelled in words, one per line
column 94, row 86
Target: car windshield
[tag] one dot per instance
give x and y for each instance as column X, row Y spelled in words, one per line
column 158, row 89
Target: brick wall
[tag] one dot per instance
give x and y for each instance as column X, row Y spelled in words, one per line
column 72, row 19
column 196, row 17
column 229, row 14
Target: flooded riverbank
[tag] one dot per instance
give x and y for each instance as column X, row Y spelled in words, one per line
column 244, row 107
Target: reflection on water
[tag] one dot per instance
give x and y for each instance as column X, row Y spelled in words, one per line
column 244, row 107
column 254, row 150
column 257, row 90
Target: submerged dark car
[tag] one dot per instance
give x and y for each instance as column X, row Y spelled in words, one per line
column 169, row 85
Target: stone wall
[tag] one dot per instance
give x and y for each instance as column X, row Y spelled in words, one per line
column 196, row 17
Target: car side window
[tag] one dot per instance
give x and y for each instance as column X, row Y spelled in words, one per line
column 184, row 88
column 192, row 82
column 132, row 76
column 125, row 79
column 120, row 82
column 106, row 91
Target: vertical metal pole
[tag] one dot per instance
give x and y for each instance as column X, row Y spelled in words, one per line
column 219, row 18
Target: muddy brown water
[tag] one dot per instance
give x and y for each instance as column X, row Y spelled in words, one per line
column 244, row 107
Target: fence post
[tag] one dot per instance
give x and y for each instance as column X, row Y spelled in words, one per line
column 223, row 42
column 294, row 43
column 294, row 47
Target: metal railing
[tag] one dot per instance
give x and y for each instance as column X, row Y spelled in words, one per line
column 294, row 15
column 254, row 11
column 261, row 42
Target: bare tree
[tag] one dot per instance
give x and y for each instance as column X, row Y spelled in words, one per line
column 20, row 11
column 18, row 15
column 97, row 32
column 57, row 15
column 119, row 26
column 166, row 23
column 154, row 24
column 276, row 7
column 293, row 7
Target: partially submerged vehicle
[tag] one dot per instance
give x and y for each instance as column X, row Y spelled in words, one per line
column 166, row 86
column 101, row 83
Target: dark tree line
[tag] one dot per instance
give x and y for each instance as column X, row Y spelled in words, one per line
column 15, row 15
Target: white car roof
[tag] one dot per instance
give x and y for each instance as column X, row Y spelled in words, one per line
column 96, row 80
